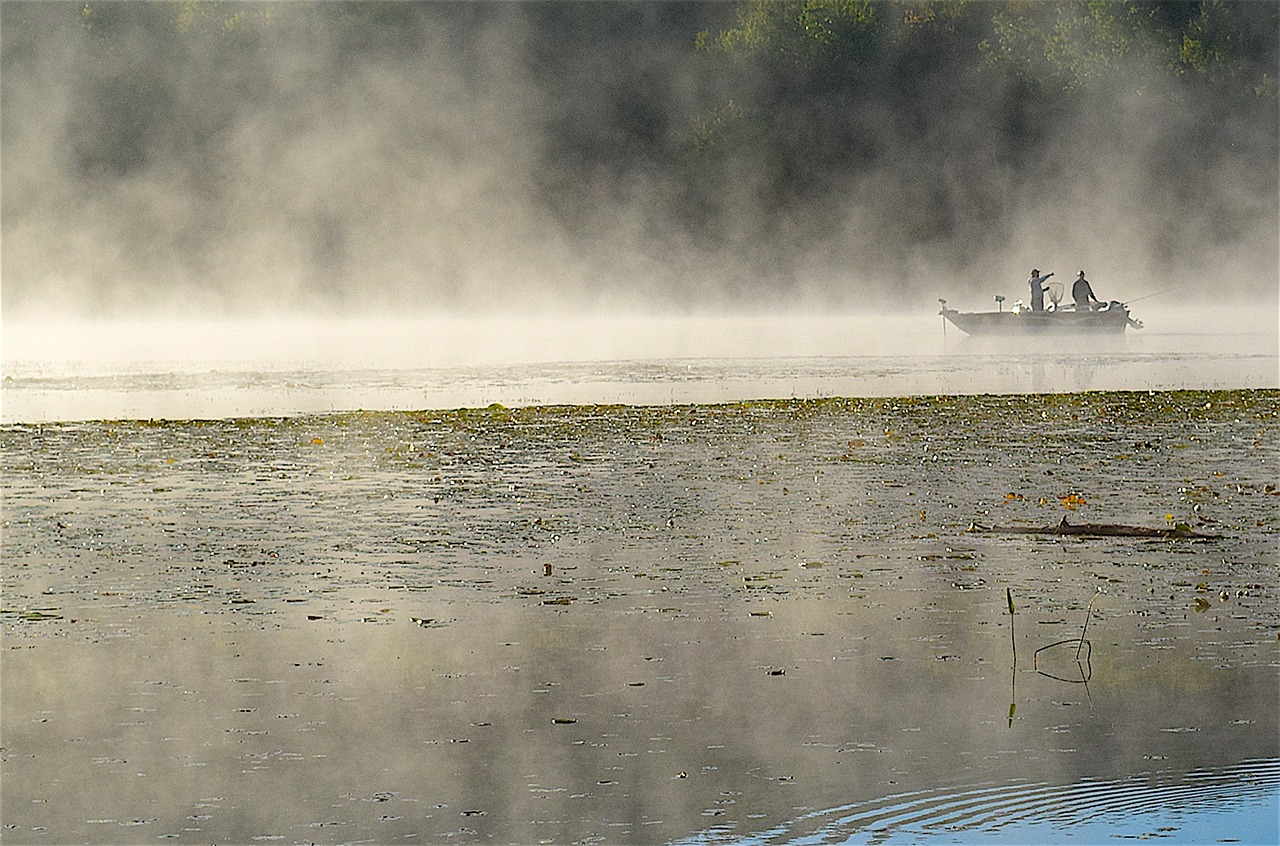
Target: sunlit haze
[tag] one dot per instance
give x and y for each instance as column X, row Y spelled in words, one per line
column 197, row 161
column 75, row 370
column 639, row 422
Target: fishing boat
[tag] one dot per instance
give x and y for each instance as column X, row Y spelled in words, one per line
column 1107, row 319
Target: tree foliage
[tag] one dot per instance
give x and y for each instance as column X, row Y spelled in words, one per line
column 765, row 137
column 186, row 16
column 943, row 96
column 1070, row 46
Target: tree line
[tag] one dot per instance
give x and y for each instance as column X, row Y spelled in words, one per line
column 771, row 138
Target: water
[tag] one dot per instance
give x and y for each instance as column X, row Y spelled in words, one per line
column 655, row 622
column 1235, row 804
column 185, row 370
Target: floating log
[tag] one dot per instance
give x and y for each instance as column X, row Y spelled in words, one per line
column 1180, row 531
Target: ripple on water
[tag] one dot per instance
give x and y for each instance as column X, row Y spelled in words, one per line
column 1239, row 803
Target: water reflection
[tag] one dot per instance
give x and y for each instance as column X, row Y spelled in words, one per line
column 1234, row 804
column 1078, row 669
column 751, row 613
column 184, row 371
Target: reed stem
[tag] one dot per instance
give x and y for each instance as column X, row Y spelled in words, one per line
column 1088, row 612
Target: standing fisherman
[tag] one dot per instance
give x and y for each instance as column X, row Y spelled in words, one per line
column 1082, row 293
column 1037, row 289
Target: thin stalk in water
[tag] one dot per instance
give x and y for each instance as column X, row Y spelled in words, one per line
column 1088, row 612
column 1008, row 595
column 1013, row 675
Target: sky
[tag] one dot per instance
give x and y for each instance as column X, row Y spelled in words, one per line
column 224, row 159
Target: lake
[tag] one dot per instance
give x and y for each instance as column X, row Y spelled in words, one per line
column 93, row 370
column 725, row 592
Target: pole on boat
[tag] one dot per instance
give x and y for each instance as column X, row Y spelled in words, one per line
column 944, row 318
column 1149, row 296
column 1000, row 302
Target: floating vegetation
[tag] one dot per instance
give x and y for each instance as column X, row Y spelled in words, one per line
column 716, row 584
column 30, row 615
column 1072, row 502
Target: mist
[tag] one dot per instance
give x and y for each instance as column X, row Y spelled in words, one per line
column 533, row 421
column 535, row 158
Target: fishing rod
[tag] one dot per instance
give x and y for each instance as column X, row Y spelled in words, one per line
column 1149, row 296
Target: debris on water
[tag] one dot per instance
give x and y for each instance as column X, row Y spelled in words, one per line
column 35, row 615
column 1180, row 531
column 366, row 535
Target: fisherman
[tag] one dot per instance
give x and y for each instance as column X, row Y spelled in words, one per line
column 1082, row 292
column 1037, row 289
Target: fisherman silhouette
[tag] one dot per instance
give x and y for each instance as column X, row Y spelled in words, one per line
column 1082, row 293
column 1037, row 289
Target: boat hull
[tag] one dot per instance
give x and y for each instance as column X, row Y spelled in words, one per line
column 1110, row 320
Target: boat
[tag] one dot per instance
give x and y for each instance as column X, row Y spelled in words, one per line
column 1107, row 319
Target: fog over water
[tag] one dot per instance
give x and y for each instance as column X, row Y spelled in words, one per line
column 200, row 160
column 724, row 624
column 684, row 618
column 215, row 210
column 86, row 370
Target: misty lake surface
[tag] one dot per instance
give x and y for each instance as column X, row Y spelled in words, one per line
column 255, row 368
column 713, row 590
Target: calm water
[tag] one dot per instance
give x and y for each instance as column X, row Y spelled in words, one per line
column 663, row 621
column 759, row 623
column 88, row 371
